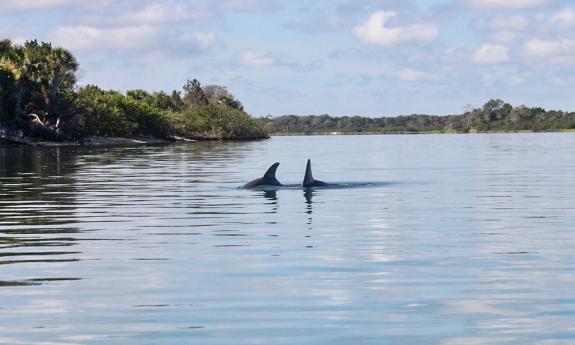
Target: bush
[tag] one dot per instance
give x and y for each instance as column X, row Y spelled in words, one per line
column 217, row 121
column 109, row 113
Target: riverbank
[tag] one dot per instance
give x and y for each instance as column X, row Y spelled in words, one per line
column 90, row 141
column 41, row 105
column 15, row 140
column 494, row 116
column 8, row 137
column 423, row 132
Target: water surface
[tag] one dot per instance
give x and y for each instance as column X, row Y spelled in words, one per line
column 458, row 239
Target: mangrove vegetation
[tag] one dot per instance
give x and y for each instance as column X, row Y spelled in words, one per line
column 495, row 115
column 40, row 99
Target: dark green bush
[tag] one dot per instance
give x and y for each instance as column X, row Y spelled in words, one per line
column 109, row 113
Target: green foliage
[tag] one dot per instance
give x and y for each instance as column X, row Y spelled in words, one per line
column 193, row 94
column 35, row 78
column 7, row 84
column 102, row 113
column 159, row 100
column 38, row 78
column 41, row 79
column 109, row 113
column 217, row 94
column 217, row 121
column 222, row 121
column 495, row 115
column 177, row 101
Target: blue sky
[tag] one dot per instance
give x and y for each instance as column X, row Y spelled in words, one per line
column 341, row 57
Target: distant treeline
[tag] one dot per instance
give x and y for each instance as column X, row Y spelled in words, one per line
column 495, row 115
column 39, row 98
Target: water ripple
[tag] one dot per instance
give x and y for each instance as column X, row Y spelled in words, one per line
column 458, row 239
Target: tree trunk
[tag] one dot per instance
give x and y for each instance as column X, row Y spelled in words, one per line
column 54, row 90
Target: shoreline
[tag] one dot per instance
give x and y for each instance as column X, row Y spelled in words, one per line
column 567, row 130
column 13, row 137
column 14, row 140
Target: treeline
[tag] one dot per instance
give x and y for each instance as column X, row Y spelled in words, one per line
column 495, row 115
column 39, row 97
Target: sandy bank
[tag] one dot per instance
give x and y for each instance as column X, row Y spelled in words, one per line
column 8, row 137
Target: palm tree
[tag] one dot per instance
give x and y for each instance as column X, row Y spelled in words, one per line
column 61, row 74
column 11, row 58
column 35, row 78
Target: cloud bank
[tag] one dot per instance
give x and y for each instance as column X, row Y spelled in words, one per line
column 376, row 31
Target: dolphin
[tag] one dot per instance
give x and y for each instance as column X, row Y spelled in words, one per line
column 269, row 178
column 309, row 181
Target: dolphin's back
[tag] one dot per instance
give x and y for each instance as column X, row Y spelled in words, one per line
column 269, row 178
column 254, row 183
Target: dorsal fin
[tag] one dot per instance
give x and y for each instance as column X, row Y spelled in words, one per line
column 271, row 172
column 308, row 178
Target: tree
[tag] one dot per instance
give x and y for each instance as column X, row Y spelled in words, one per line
column 138, row 95
column 217, row 94
column 7, row 81
column 214, row 93
column 37, row 92
column 177, row 101
column 496, row 109
column 43, row 78
column 60, row 79
column 193, row 94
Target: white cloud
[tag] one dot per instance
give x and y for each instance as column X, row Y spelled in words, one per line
column 375, row 31
column 488, row 54
column 554, row 42
column 507, row 4
column 248, row 5
column 454, row 57
column 155, row 11
column 564, row 18
column 410, row 74
column 19, row 5
column 203, row 39
column 141, row 38
column 515, row 22
column 503, row 36
column 18, row 40
column 323, row 22
column 161, row 13
column 555, row 25
column 89, row 38
column 562, row 80
column 254, row 59
column 502, row 28
column 505, row 75
column 557, row 51
column 515, row 80
column 27, row 5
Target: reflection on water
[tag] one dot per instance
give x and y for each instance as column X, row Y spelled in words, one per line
column 457, row 240
column 36, row 212
column 308, row 195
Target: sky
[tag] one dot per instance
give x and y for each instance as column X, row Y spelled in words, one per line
column 338, row 57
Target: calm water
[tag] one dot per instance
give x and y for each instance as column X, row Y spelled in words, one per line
column 463, row 239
